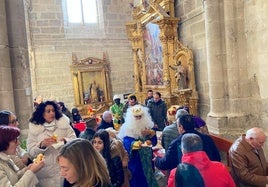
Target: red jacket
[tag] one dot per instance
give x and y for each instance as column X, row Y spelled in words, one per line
column 213, row 173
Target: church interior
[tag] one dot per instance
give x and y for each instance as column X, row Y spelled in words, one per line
column 132, row 46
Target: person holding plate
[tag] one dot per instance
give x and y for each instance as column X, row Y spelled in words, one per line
column 138, row 138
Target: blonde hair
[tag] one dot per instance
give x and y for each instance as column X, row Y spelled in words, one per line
column 88, row 163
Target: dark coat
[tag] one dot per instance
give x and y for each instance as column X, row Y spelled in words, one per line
column 105, row 125
column 173, row 155
column 158, row 112
column 87, row 134
column 77, row 118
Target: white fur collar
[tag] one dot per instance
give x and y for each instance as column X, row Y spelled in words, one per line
column 62, row 123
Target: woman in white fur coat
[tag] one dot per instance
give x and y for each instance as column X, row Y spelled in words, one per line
column 48, row 130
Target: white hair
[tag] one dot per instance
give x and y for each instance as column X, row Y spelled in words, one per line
column 132, row 126
column 254, row 132
column 106, row 114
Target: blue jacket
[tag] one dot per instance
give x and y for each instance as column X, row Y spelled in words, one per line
column 173, row 154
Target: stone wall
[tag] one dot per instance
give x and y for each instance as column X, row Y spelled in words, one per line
column 256, row 39
column 52, row 47
column 228, row 42
column 192, row 34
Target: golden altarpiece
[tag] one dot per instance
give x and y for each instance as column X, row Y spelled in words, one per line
column 91, row 83
column 161, row 62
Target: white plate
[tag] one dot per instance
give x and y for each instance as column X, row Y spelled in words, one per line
column 58, row 145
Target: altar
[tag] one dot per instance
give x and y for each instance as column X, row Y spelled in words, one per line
column 91, row 82
column 161, row 62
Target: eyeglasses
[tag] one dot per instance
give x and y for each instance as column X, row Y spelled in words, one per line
column 14, row 121
column 138, row 116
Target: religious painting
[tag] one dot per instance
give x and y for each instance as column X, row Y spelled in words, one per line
column 92, row 87
column 91, row 81
column 153, row 55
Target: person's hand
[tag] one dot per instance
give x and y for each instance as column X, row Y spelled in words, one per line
column 154, row 156
column 136, row 145
column 34, row 167
column 47, row 142
column 25, row 159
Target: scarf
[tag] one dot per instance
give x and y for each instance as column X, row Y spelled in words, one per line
column 50, row 126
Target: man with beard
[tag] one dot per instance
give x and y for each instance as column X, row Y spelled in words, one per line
column 138, row 138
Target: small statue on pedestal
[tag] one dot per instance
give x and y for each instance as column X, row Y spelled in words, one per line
column 181, row 75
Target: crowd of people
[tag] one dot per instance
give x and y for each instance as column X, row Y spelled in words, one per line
column 123, row 155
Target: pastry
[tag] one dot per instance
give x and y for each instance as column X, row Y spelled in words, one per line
column 39, row 158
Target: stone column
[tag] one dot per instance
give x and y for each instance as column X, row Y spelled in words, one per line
column 6, row 88
column 216, row 60
column 19, row 62
column 236, row 67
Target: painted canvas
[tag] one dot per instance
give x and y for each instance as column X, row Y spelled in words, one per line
column 153, row 55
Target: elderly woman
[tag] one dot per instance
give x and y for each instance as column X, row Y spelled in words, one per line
column 48, row 131
column 21, row 158
column 9, row 172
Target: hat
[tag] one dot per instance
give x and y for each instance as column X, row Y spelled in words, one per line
column 116, row 97
column 137, row 110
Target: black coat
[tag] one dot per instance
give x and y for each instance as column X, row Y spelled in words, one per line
column 173, row 155
column 105, row 125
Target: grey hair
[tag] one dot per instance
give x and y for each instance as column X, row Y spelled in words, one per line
column 180, row 113
column 106, row 114
column 254, row 132
column 191, row 142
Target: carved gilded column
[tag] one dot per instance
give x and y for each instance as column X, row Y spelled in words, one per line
column 164, row 41
column 168, row 38
column 137, row 76
column 134, row 32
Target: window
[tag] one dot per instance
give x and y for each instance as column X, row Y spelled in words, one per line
column 82, row 11
column 83, row 18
